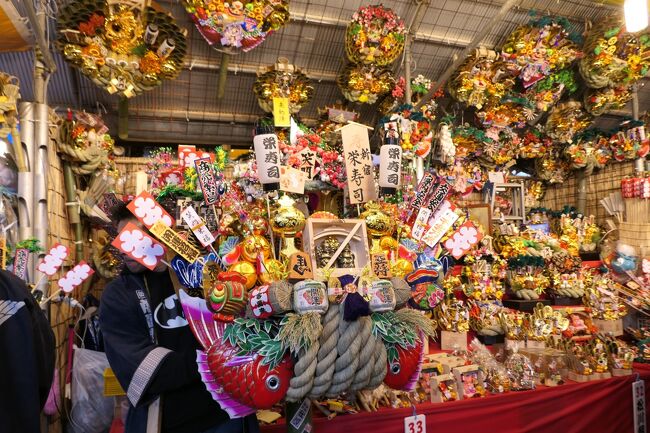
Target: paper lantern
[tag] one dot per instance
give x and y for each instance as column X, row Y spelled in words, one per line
column 267, row 155
column 390, row 166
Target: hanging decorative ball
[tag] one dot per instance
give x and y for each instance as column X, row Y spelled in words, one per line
column 120, row 46
column 534, row 144
column 482, row 80
column 283, row 81
column 510, row 112
column 375, row 36
column 547, row 92
column 590, row 149
column 237, row 25
column 365, row 84
column 551, row 168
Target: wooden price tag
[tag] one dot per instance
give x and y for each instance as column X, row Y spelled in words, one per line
column 197, row 225
column 292, row 180
column 380, row 265
column 174, row 241
column 21, row 258
column 300, row 267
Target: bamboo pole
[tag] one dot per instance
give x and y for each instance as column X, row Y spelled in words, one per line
column 223, row 75
column 73, row 209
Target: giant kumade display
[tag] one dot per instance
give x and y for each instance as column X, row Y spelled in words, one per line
column 125, row 47
column 237, row 25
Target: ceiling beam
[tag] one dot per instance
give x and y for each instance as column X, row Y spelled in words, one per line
column 250, row 69
column 205, row 116
column 429, row 38
column 202, row 141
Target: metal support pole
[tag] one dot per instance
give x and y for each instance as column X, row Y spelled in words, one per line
column 408, row 93
column 581, row 191
column 123, row 118
column 639, row 164
column 461, row 57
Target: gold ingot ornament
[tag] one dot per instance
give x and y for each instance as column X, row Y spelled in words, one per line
column 378, row 223
column 287, row 222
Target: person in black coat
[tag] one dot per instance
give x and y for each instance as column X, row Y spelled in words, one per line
column 27, row 354
column 152, row 351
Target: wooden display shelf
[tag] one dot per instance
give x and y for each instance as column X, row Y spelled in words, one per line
column 563, row 301
column 525, row 305
column 346, row 231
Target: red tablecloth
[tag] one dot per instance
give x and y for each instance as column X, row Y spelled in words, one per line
column 602, row 406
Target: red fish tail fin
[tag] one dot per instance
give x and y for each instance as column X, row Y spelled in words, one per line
column 233, row 408
column 412, row 383
column 206, row 330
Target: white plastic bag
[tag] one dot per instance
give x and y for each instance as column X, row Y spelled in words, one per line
column 91, row 411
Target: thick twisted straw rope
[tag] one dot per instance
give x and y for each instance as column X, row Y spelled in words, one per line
column 304, row 370
column 346, row 358
column 379, row 367
column 366, row 356
column 327, row 353
column 349, row 345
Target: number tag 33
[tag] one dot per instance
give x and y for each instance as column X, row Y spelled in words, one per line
column 415, row 424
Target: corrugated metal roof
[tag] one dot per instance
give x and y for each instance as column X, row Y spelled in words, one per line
column 188, row 109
